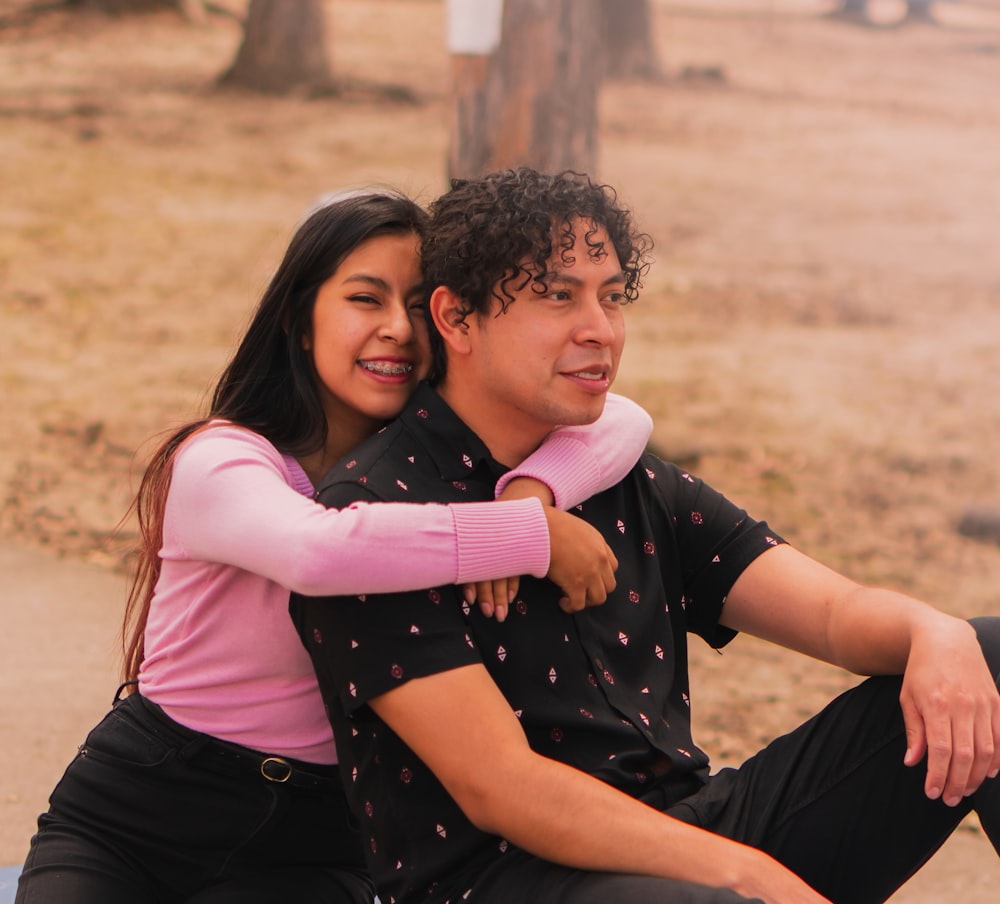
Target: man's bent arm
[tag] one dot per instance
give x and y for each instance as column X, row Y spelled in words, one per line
column 949, row 699
column 461, row 726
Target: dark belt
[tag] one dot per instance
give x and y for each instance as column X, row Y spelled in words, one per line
column 235, row 759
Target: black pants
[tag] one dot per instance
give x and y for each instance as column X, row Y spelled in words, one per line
column 832, row 800
column 151, row 813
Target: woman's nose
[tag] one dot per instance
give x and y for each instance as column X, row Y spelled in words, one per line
column 397, row 324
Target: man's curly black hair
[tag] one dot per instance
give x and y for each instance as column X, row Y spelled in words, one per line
column 488, row 238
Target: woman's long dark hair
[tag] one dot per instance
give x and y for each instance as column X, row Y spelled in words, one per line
column 268, row 385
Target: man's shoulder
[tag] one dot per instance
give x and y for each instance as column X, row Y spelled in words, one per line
column 362, row 474
column 660, row 477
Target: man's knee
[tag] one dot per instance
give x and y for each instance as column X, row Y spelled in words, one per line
column 988, row 630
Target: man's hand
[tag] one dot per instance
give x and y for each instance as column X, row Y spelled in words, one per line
column 952, row 710
column 949, row 699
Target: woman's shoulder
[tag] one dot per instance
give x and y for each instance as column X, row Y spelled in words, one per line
column 222, row 442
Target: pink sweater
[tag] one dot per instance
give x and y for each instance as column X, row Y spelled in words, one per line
column 241, row 530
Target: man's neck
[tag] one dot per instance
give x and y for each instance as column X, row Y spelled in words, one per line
column 509, row 438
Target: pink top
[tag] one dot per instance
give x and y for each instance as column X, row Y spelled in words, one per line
column 241, row 530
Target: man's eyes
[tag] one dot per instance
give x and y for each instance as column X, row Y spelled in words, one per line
column 611, row 298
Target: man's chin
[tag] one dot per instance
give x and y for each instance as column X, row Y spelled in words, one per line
column 580, row 415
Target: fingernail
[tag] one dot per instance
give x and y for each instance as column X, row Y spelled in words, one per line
column 510, row 596
column 934, row 793
column 487, row 609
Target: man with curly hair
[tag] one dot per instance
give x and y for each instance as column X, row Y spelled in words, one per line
column 549, row 758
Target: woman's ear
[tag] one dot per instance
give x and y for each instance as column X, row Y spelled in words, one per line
column 449, row 313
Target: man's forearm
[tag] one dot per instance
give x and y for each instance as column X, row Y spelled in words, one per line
column 478, row 751
column 872, row 631
column 563, row 815
column 948, row 698
column 792, row 600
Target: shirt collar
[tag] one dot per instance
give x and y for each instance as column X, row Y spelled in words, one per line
column 450, row 442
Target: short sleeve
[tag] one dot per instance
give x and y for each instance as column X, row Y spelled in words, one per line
column 715, row 540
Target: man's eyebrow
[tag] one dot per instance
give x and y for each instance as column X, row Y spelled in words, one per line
column 558, row 276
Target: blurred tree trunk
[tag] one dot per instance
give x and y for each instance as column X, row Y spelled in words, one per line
column 283, row 48
column 190, row 9
column 629, row 46
column 920, row 11
column 532, row 102
column 854, row 9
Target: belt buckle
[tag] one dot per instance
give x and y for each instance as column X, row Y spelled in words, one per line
column 275, row 769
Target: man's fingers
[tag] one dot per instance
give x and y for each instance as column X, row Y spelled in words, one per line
column 935, row 727
column 985, row 755
column 916, row 737
column 994, row 769
column 962, row 762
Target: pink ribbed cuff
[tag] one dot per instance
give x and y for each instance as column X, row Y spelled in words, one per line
column 501, row 539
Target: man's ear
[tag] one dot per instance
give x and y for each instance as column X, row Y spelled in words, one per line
column 448, row 313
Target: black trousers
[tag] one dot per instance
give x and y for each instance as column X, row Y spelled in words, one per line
column 831, row 800
column 150, row 812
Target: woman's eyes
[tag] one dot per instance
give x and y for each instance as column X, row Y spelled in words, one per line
column 363, row 298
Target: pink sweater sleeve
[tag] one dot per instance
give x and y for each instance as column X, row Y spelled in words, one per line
column 233, row 501
column 577, row 462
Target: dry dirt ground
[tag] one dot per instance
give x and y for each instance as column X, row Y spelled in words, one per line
column 818, row 337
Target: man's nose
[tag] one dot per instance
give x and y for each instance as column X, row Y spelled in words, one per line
column 595, row 323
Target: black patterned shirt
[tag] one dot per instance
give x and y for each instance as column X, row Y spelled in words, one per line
column 604, row 690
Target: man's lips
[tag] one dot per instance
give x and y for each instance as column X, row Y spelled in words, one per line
column 594, row 371
column 594, row 377
column 589, row 374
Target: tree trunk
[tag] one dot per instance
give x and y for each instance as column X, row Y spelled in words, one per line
column 283, row 48
column 920, row 11
column 533, row 101
column 191, row 9
column 854, row 9
column 629, row 48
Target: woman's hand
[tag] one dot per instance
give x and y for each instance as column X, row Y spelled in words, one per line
column 581, row 563
column 495, row 597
